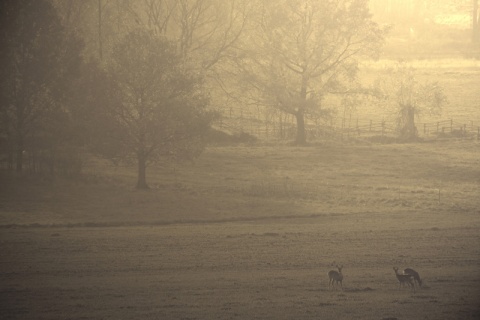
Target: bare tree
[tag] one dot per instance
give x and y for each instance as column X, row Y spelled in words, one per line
column 159, row 15
column 306, row 48
column 204, row 30
column 207, row 33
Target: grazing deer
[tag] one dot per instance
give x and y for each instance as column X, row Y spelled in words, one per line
column 404, row 279
column 414, row 274
column 335, row 277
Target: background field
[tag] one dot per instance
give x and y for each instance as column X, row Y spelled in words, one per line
column 249, row 233
column 459, row 78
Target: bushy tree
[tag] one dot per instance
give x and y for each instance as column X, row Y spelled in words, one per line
column 409, row 98
column 160, row 108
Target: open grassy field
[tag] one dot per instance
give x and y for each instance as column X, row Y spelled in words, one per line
column 459, row 79
column 249, row 233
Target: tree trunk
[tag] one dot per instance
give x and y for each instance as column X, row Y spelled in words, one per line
column 100, row 42
column 409, row 130
column 142, row 169
column 19, row 160
column 475, row 23
column 300, row 114
column 412, row 129
column 19, row 153
column 301, row 137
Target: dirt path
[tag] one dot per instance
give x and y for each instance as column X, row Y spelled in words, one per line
column 272, row 270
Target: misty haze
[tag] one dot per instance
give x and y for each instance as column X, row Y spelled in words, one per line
column 240, row 159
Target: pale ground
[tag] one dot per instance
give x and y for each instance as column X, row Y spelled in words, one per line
column 261, row 270
column 250, row 233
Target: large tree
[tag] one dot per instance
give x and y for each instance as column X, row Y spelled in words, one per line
column 159, row 107
column 306, row 48
column 205, row 32
column 38, row 59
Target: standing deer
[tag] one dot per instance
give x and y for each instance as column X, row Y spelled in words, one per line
column 404, row 279
column 335, row 277
column 414, row 274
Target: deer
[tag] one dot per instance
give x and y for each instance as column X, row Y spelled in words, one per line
column 414, row 274
column 404, row 279
column 335, row 277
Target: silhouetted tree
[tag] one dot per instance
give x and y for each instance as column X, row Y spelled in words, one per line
column 161, row 105
column 38, row 59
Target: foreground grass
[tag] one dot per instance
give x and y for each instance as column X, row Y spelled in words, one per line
column 262, row 182
column 249, row 233
column 270, row 270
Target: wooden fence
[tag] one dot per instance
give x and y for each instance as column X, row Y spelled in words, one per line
column 281, row 126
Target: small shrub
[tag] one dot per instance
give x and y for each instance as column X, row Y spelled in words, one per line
column 216, row 136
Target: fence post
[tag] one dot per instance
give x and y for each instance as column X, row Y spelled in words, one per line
column 451, row 125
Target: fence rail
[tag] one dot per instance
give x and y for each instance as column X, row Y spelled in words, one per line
column 278, row 125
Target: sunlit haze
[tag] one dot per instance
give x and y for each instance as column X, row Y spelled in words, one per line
column 240, row 159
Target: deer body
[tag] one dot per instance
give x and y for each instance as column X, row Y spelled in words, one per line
column 335, row 277
column 414, row 274
column 404, row 279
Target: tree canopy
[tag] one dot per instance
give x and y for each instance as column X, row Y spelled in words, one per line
column 38, row 59
column 160, row 107
column 409, row 98
column 305, row 49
